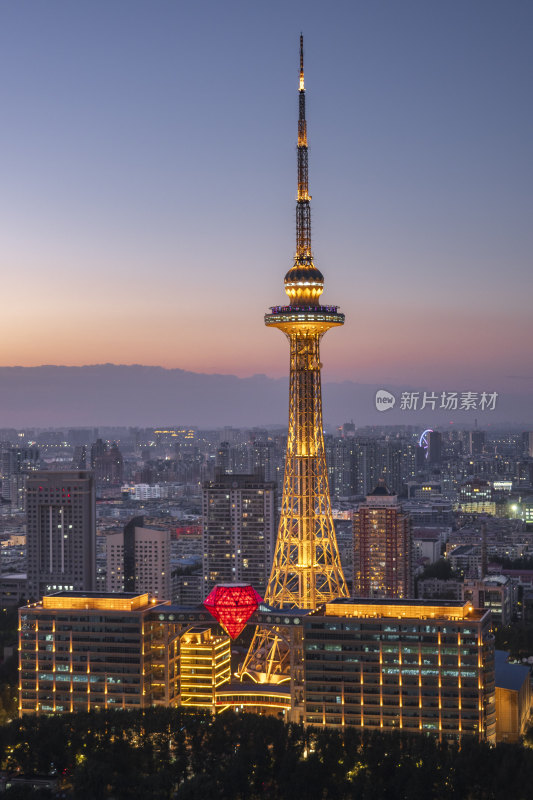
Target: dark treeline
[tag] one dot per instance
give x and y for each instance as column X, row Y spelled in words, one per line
column 164, row 753
column 8, row 667
column 524, row 562
column 517, row 639
column 441, row 569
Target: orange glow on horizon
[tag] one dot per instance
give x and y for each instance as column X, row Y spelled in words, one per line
column 423, row 351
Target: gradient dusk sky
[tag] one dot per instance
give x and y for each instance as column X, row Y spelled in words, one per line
column 148, row 180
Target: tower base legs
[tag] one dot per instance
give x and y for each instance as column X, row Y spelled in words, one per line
column 275, row 656
column 268, row 659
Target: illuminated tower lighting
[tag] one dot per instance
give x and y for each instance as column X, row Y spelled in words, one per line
column 306, row 571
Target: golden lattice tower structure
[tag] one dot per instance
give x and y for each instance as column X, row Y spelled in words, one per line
column 306, row 571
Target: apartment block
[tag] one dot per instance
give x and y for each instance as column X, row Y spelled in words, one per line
column 382, row 546
column 238, row 531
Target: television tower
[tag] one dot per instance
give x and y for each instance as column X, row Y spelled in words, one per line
column 306, row 571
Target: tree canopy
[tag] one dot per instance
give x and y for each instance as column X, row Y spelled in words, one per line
column 172, row 754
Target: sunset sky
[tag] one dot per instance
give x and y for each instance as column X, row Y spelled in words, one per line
column 148, row 181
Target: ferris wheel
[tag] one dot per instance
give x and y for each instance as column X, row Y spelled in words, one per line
column 424, row 441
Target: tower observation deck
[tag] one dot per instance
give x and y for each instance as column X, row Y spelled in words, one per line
column 306, row 570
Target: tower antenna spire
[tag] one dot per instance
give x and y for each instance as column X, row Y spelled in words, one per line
column 303, row 254
column 302, row 62
column 304, row 283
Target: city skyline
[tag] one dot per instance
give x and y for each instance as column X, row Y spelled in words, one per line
column 403, row 612
column 153, row 154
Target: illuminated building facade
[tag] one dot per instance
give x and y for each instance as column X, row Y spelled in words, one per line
column 238, row 530
column 476, row 497
column 419, row 666
column 82, row 651
column 205, row 666
column 61, row 532
column 265, row 698
column 415, row 666
column 306, row 570
column 527, row 505
column 382, row 547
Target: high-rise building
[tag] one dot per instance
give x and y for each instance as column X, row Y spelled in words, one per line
column 306, row 570
column 107, row 464
column 344, row 472
column 98, row 451
column 398, row 464
column 187, row 586
column 417, row 666
column 223, row 459
column 476, row 442
column 138, row 560
column 16, row 464
column 262, row 458
column 527, row 444
column 382, row 547
column 434, row 454
column 368, row 468
column 14, row 490
column 238, row 530
column 61, row 532
column 79, row 458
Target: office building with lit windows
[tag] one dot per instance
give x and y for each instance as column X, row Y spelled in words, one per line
column 417, row 666
column 84, row 651
column 382, row 546
column 61, row 532
column 238, row 530
column 476, row 497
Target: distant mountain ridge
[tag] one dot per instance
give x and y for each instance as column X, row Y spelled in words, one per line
column 114, row 394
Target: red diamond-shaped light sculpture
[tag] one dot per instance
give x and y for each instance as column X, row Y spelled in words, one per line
column 232, row 605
